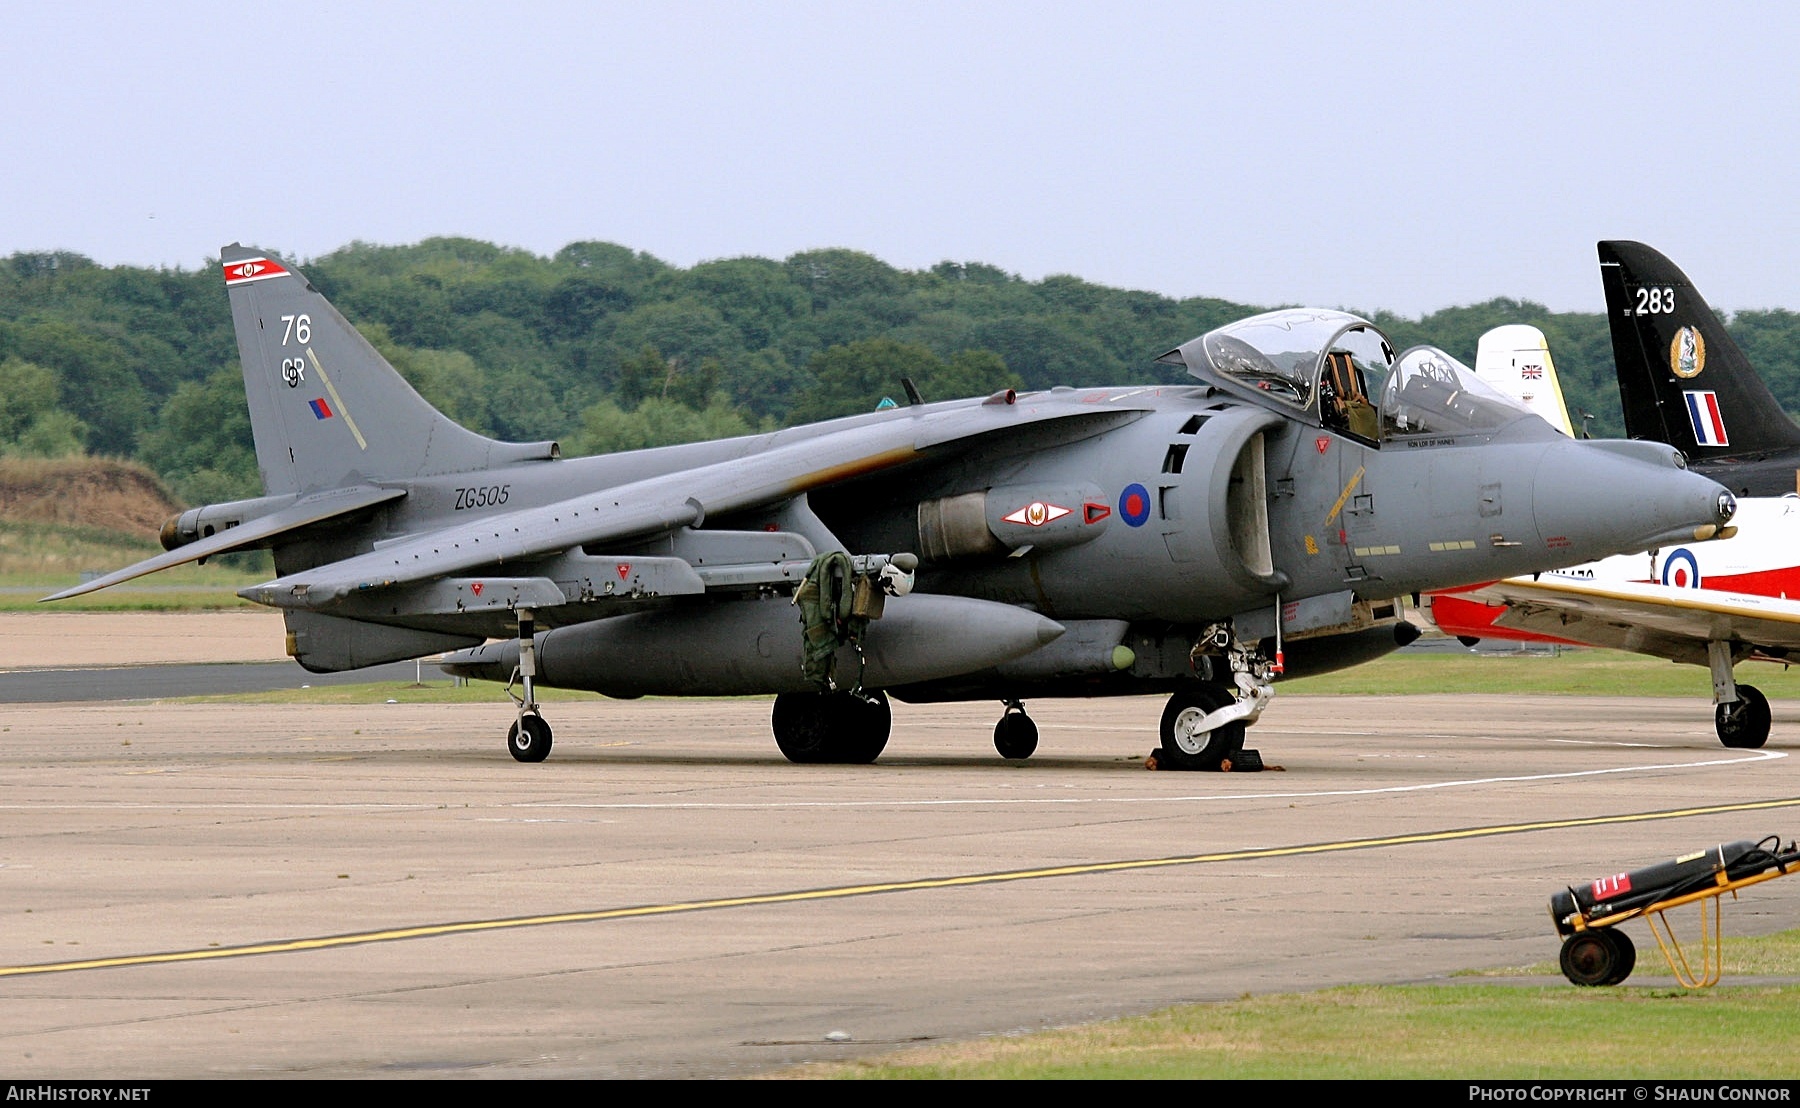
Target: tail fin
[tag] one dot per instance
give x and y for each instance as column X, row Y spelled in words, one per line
column 1682, row 379
column 326, row 409
column 1516, row 360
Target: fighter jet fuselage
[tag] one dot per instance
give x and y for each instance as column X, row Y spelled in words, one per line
column 1075, row 541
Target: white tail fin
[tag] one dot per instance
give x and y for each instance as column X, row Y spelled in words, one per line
column 1516, row 360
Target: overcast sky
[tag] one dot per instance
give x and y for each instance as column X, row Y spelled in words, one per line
column 1406, row 156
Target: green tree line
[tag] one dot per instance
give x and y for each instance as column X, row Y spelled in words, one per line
column 604, row 348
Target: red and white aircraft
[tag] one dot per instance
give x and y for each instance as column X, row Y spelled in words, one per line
column 1712, row 603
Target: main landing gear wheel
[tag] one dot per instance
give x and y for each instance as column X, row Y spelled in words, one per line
column 1015, row 736
column 845, row 728
column 1744, row 723
column 1603, row 956
column 529, row 739
column 1186, row 747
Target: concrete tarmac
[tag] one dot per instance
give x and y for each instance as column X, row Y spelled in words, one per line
column 379, row 891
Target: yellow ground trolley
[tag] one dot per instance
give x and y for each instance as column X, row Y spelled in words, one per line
column 1596, row 952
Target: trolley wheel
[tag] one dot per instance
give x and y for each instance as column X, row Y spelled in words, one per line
column 1603, row 956
column 1627, row 951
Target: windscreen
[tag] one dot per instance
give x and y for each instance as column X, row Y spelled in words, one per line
column 1431, row 393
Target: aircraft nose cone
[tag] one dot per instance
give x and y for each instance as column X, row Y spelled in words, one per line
column 1595, row 499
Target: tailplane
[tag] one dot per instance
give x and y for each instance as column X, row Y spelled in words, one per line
column 1682, row 380
column 326, row 409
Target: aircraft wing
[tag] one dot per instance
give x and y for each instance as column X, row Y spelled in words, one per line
column 1660, row 620
column 686, row 498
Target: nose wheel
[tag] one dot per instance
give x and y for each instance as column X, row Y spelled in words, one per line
column 1203, row 723
column 1187, row 741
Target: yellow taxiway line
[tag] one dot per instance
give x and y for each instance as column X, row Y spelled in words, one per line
column 435, row 930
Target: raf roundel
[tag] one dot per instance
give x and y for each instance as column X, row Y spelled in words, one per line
column 1682, row 569
column 1134, row 504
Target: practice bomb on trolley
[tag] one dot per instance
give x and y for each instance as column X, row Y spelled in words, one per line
column 1595, row 952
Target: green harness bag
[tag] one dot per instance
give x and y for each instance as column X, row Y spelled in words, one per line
column 831, row 617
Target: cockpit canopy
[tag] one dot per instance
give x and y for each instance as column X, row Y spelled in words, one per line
column 1431, row 393
column 1332, row 368
column 1283, row 353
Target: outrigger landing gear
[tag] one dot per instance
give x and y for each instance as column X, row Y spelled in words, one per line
column 1741, row 714
column 528, row 740
column 1015, row 736
column 1203, row 725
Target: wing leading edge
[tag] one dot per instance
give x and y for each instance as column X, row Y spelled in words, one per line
column 1664, row 621
column 669, row 502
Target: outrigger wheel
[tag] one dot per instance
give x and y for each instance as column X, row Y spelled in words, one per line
column 1015, row 736
column 1744, row 723
column 1598, row 956
column 529, row 738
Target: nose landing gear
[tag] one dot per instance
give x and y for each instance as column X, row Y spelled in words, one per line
column 1188, row 740
column 1203, row 725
